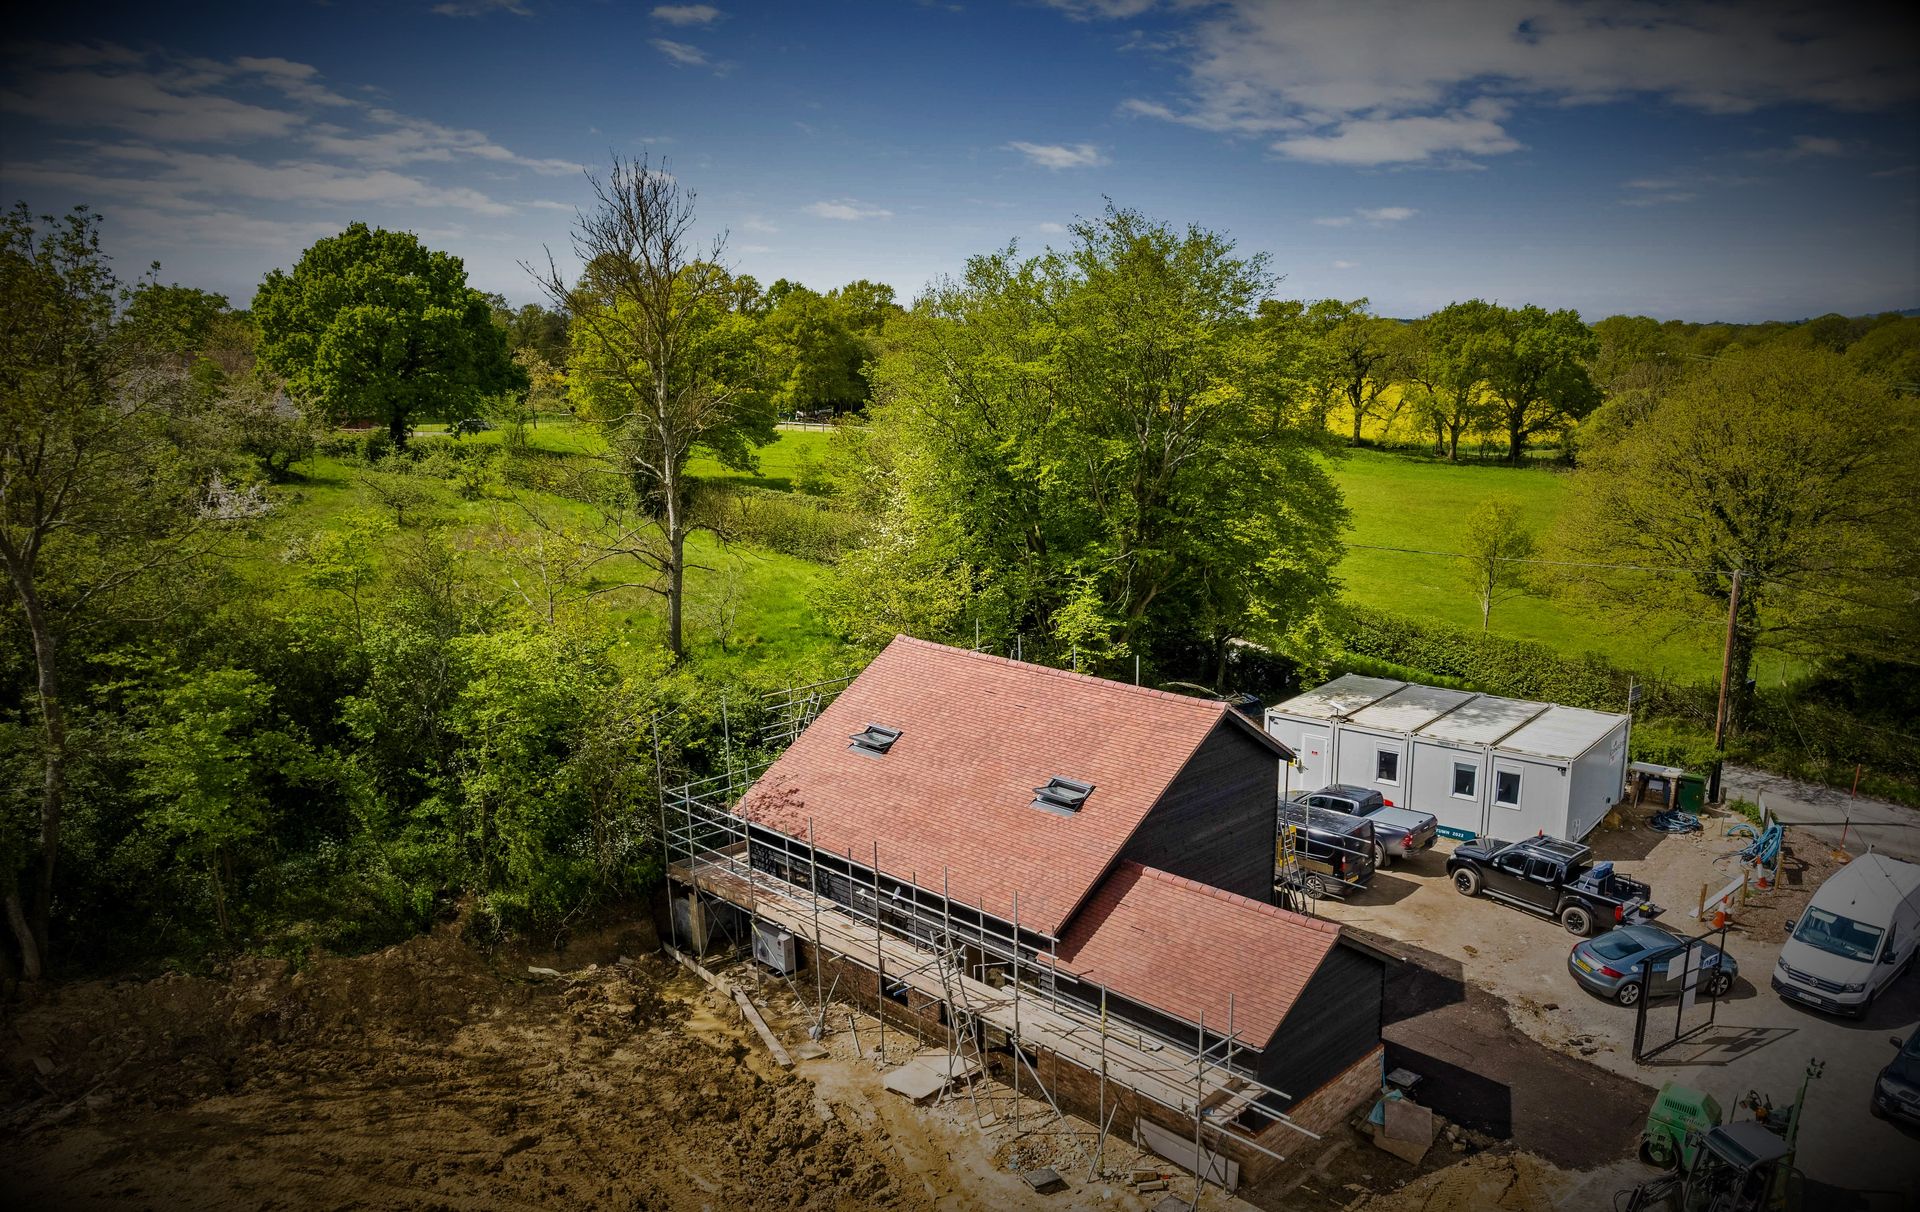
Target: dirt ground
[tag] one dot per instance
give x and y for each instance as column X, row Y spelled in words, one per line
column 433, row 1074
column 426, row 1074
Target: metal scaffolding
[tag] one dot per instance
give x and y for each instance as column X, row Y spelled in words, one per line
column 993, row 981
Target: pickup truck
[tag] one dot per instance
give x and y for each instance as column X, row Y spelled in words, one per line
column 1398, row 832
column 1551, row 877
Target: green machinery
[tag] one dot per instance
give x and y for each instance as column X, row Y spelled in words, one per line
column 1742, row 1166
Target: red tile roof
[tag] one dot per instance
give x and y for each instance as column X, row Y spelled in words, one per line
column 1182, row 947
column 954, row 794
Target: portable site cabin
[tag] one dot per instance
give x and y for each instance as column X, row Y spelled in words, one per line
column 1481, row 764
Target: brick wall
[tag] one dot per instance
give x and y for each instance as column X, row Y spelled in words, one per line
column 1077, row 1090
column 1328, row 1107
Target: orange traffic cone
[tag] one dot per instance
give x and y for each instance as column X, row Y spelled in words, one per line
column 1719, row 919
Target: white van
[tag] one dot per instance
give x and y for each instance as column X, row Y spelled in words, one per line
column 1856, row 937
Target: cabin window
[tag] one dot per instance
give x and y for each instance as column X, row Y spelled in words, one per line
column 1466, row 780
column 1506, row 788
column 1386, row 765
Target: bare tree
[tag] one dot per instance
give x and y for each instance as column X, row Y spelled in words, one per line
column 653, row 357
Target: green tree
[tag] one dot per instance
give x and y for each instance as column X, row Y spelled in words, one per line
column 813, row 356
column 371, row 323
column 95, row 493
column 1449, row 361
column 1537, row 373
column 175, row 320
column 206, row 762
column 1497, row 540
column 660, row 359
column 1087, row 442
column 1357, row 356
column 1785, row 464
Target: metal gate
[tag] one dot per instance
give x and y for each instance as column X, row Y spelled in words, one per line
column 1681, row 995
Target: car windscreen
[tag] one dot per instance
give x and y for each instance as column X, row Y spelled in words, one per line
column 1617, row 945
column 1838, row 935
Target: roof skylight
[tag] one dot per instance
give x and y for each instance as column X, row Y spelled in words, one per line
column 1062, row 795
column 874, row 740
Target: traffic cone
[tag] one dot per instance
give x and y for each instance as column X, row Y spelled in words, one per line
column 1719, row 919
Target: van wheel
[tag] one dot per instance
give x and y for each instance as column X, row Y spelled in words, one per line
column 1316, row 886
column 1466, row 882
column 1578, row 919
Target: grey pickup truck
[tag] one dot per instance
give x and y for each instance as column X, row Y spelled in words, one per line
column 1397, row 832
column 1551, row 877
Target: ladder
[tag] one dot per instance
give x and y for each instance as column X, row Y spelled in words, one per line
column 1288, row 893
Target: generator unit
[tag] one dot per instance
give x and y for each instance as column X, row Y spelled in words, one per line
column 774, row 947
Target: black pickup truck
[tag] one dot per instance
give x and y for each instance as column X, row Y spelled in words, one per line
column 1553, row 878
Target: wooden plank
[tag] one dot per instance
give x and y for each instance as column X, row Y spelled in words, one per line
column 767, row 1037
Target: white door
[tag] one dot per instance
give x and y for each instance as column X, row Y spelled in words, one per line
column 1312, row 775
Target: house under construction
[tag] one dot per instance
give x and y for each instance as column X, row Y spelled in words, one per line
column 1065, row 879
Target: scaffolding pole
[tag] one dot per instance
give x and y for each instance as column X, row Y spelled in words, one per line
column 1199, row 1095
column 813, row 894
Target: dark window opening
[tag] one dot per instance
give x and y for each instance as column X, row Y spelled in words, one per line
column 875, row 739
column 1062, row 795
column 1463, row 780
column 1386, row 766
column 1506, row 787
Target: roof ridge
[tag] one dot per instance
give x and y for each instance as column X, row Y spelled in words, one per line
column 1232, row 898
column 1211, row 706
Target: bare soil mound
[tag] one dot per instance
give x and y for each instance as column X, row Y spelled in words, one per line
column 428, row 1074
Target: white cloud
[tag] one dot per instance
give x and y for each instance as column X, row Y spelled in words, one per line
column 1664, row 198
column 1343, row 264
column 1904, row 170
column 686, row 14
column 1087, row 10
column 170, row 101
column 756, row 248
column 1378, row 216
column 481, row 8
column 1060, row 155
column 1366, row 142
column 845, row 210
column 756, row 223
column 1429, row 83
column 680, row 52
column 1050, row 229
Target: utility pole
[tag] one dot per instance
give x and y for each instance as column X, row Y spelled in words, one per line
column 1726, row 679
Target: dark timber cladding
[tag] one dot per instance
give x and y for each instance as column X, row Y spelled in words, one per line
column 1336, row 1020
column 946, row 794
column 1215, row 823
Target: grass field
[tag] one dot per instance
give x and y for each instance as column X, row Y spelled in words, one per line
column 1397, row 501
column 1410, row 502
column 766, row 594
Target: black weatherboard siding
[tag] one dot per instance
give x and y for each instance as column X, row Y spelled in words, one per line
column 1335, row 1023
column 1215, row 824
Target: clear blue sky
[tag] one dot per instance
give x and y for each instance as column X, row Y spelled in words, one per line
column 1696, row 161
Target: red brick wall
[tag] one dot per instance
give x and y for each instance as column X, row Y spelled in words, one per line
column 1328, row 1107
column 1077, row 1090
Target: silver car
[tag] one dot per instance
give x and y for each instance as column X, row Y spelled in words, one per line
column 1615, row 964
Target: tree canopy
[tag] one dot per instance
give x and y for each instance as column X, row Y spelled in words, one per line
column 1787, row 465
column 1091, row 450
column 372, row 324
